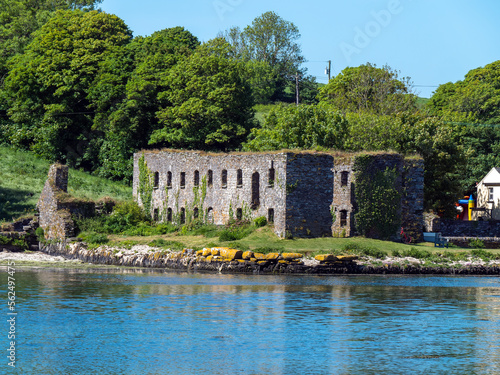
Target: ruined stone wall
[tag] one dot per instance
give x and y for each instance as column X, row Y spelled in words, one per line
column 247, row 193
column 343, row 202
column 56, row 206
column 55, row 223
column 311, row 194
column 460, row 228
column 412, row 205
column 309, row 188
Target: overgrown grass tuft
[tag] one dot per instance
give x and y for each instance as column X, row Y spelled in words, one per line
column 356, row 249
column 173, row 245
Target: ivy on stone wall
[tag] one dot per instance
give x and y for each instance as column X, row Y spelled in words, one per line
column 145, row 185
column 377, row 198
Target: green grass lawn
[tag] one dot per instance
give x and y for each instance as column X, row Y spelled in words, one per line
column 22, row 176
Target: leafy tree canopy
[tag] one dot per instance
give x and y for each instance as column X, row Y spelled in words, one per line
column 46, row 88
column 477, row 96
column 125, row 95
column 299, row 127
column 272, row 41
column 20, row 18
column 369, row 89
column 206, row 103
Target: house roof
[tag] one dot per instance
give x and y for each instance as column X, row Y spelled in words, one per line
column 492, row 177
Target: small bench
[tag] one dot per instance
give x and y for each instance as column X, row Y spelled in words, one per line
column 438, row 240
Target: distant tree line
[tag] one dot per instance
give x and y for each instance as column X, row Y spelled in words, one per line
column 77, row 87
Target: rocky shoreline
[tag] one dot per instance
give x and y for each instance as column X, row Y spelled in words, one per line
column 189, row 260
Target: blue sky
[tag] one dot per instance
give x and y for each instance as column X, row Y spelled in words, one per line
column 431, row 41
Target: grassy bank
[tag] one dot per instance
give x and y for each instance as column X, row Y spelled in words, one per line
column 264, row 240
column 22, row 176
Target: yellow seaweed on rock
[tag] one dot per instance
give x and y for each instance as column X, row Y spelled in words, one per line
column 326, row 258
column 247, row 255
column 291, row 256
column 231, row 254
column 272, row 256
column 347, row 257
column 215, row 251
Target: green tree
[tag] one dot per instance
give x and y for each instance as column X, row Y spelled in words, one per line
column 437, row 141
column 369, row 89
column 477, row 96
column 272, row 40
column 299, row 127
column 46, row 88
column 125, row 95
column 206, row 103
column 20, row 18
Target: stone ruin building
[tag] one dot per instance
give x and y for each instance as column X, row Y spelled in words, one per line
column 304, row 194
column 57, row 208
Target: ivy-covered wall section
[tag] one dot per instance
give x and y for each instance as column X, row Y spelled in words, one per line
column 378, row 192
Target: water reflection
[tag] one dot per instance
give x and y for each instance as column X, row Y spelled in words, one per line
column 144, row 322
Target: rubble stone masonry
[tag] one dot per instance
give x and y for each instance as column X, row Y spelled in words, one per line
column 305, row 194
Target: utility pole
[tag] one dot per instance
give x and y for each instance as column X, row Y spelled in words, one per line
column 329, row 69
column 297, row 88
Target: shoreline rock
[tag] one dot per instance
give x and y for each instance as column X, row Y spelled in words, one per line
column 189, row 260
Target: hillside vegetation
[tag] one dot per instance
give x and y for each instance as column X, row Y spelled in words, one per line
column 22, row 176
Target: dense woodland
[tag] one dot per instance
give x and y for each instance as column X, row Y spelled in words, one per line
column 77, row 87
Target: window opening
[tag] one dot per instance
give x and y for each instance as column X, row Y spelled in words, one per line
column 196, row 179
column 156, row 182
column 183, row 180
column 343, row 218
column 169, row 180
column 344, row 177
column 255, row 191
column 210, row 178
column 271, row 178
column 210, row 215
column 270, row 215
column 224, row 178
column 239, row 178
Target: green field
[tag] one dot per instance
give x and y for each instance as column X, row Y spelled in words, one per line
column 22, row 176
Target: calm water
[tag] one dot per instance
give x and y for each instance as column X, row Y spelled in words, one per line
column 142, row 322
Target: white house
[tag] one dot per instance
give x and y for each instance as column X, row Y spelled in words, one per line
column 488, row 197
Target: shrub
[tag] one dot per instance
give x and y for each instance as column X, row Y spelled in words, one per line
column 354, row 248
column 235, row 232
column 4, row 240
column 483, row 254
column 125, row 215
column 229, row 235
column 261, row 221
column 40, row 234
column 269, row 249
column 417, row 253
column 476, row 243
column 20, row 243
column 94, row 238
